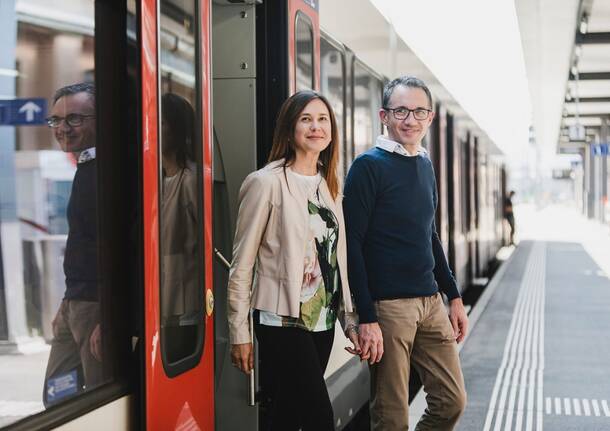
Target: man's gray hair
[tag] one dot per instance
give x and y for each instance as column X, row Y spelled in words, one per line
column 405, row 81
column 69, row 90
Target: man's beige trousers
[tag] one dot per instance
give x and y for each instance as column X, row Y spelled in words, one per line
column 416, row 331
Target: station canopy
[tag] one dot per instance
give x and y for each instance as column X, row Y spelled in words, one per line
column 567, row 54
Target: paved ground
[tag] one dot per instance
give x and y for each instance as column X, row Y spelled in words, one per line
column 538, row 356
column 556, row 370
column 21, row 382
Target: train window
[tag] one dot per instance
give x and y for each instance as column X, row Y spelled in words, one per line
column 332, row 85
column 181, row 245
column 303, row 53
column 465, row 182
column 367, row 93
column 57, row 341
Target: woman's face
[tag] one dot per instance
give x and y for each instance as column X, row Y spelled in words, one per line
column 313, row 130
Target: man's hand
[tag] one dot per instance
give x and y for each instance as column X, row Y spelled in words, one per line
column 242, row 357
column 55, row 323
column 458, row 318
column 95, row 343
column 371, row 342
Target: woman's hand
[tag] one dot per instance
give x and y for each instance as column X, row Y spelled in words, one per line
column 242, row 357
column 372, row 342
column 352, row 334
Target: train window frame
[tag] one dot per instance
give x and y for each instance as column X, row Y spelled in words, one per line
column 300, row 17
column 357, row 62
column 186, row 363
column 340, row 48
column 111, row 59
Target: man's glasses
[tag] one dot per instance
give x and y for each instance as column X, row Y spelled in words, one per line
column 403, row 113
column 72, row 120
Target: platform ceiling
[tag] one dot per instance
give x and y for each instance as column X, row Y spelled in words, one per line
column 566, row 47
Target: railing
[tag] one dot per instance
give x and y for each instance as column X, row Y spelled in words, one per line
column 251, row 377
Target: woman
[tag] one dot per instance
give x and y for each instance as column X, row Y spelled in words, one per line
column 290, row 224
column 179, row 247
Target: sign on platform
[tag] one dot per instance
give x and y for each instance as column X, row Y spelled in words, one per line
column 577, row 132
column 23, row 112
column 61, row 386
column 600, row 149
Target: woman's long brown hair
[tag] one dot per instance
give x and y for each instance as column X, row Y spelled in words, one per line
column 283, row 137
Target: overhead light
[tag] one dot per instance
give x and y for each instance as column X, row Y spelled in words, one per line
column 577, row 52
column 584, row 23
column 574, row 70
column 568, row 95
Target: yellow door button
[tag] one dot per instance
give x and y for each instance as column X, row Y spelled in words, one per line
column 209, row 302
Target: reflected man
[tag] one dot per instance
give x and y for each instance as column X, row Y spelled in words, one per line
column 75, row 361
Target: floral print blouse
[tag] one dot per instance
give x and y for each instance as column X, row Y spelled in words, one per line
column 320, row 292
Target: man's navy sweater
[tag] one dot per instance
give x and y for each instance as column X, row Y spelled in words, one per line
column 392, row 245
column 80, row 258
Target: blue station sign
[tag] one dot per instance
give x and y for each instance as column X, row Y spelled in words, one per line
column 61, row 386
column 23, row 112
column 600, row 149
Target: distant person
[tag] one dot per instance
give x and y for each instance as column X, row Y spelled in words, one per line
column 509, row 215
column 290, row 236
column 75, row 360
column 180, row 301
column 397, row 269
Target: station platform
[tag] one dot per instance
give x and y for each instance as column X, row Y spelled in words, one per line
column 538, row 355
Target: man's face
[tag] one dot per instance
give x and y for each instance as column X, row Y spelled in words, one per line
column 79, row 109
column 410, row 131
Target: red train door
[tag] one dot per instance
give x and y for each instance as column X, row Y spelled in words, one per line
column 179, row 337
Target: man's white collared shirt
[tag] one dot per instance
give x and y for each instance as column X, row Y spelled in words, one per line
column 391, row 146
column 86, row 155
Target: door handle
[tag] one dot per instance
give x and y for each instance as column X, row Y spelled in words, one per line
column 252, row 376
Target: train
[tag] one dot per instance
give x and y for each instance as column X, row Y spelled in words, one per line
column 167, row 366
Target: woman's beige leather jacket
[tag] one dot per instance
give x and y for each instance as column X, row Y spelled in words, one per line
column 269, row 249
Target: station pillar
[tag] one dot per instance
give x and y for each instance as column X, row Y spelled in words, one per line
column 603, row 178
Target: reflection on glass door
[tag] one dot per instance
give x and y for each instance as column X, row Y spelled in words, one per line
column 182, row 319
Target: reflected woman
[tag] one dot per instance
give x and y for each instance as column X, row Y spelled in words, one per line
column 180, row 293
column 289, row 266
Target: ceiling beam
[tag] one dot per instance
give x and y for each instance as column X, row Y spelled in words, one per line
column 592, row 38
column 604, row 99
column 596, row 115
column 591, row 76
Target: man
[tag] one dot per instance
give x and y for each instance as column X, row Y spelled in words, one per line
column 509, row 216
column 396, row 267
column 76, row 352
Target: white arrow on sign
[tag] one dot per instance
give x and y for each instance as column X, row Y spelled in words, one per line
column 30, row 109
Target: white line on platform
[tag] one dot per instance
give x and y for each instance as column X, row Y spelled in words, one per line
column 540, row 384
column 567, row 405
column 20, row 408
column 557, row 406
column 514, row 327
column 572, row 407
column 595, row 404
column 517, row 391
